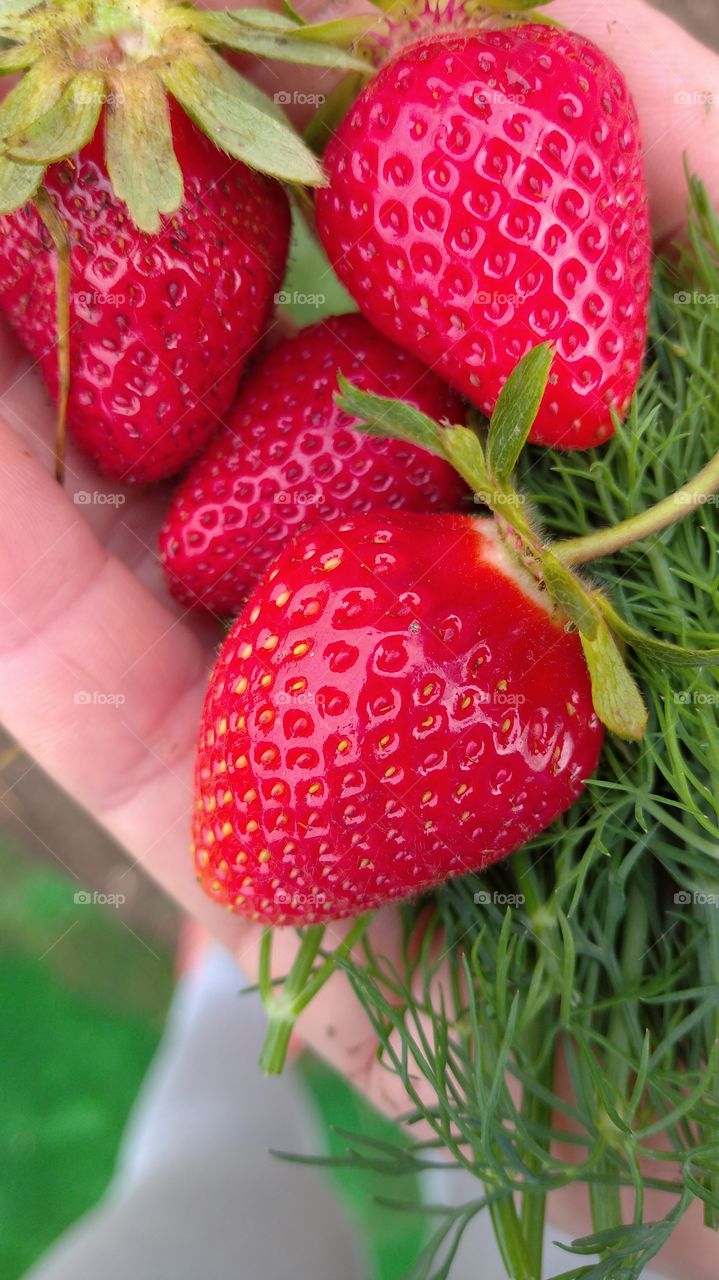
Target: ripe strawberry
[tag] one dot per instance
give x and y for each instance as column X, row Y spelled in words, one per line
column 398, row 703
column 486, row 194
column 175, row 251
column 161, row 326
column 289, row 458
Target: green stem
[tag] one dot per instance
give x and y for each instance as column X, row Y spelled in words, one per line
column 299, row 987
column 691, row 497
column 711, row 914
column 604, row 1196
column 510, row 1240
column 536, row 1111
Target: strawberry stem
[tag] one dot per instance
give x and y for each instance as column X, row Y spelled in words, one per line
column 60, row 239
column 299, row 987
column 691, row 497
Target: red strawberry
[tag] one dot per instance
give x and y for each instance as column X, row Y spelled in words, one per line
column 161, row 325
column 175, row 250
column 288, row 458
column 486, row 193
column 397, row 704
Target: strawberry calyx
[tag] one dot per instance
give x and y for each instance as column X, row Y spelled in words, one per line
column 86, row 60
column 487, row 465
column 404, row 22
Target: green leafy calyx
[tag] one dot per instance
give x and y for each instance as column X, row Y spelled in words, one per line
column 83, row 60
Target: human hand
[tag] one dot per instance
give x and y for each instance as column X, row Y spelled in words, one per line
column 82, row 605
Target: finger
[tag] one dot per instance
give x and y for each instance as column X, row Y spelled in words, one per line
column 675, row 83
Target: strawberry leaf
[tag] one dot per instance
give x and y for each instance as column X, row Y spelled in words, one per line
column 18, row 183
column 669, row 655
column 516, row 410
column 380, row 416
column 570, row 595
column 307, row 45
column 67, row 127
column 139, row 153
column 31, row 98
column 256, row 137
column 615, row 693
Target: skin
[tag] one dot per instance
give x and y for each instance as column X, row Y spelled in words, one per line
column 83, row 607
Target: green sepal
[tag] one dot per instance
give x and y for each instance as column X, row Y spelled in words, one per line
column 18, row 57
column 463, row 449
column 18, row 183
column 32, row 97
column 615, row 693
column 139, row 152
column 237, row 126
column 662, row 651
column 285, row 45
column 10, row 11
column 516, row 410
column 570, row 594
column 393, row 419
column 67, row 127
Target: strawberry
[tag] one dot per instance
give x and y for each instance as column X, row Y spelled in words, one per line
column 161, row 325
column 288, row 458
column 150, row 250
column 486, row 193
column 398, row 703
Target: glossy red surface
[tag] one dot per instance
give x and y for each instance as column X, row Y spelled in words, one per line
column 391, row 708
column 486, row 194
column 161, row 325
column 289, row 457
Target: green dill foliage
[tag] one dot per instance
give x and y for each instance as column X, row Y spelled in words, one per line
column 606, row 976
